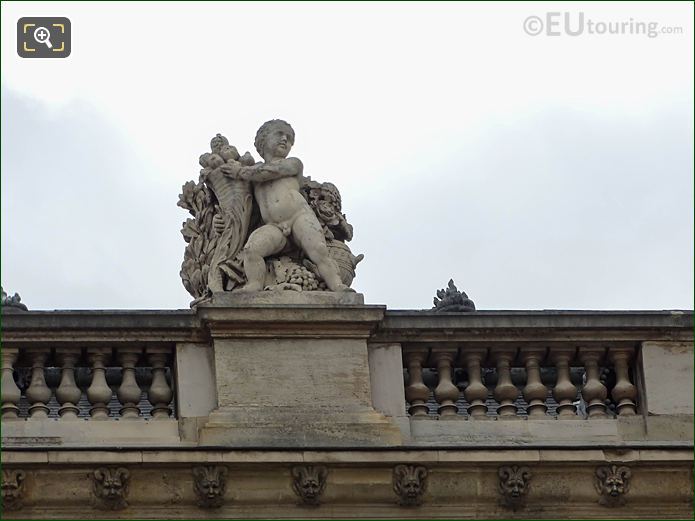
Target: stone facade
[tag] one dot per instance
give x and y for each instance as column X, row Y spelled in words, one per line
column 334, row 410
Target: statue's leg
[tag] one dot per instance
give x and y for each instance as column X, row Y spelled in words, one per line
column 308, row 234
column 263, row 242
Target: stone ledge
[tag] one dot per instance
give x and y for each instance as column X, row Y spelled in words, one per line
column 284, row 298
column 474, row 457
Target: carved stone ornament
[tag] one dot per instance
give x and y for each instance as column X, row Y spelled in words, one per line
column 612, row 483
column 110, row 488
column 263, row 225
column 12, row 489
column 513, row 485
column 209, row 485
column 11, row 303
column 452, row 300
column 309, row 482
column 410, row 484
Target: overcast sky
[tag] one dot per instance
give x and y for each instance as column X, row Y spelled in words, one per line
column 538, row 171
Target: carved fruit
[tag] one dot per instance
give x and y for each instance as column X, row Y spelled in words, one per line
column 229, row 152
column 215, row 160
column 247, row 160
column 204, row 159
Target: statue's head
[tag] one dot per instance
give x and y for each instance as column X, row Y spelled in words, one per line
column 274, row 139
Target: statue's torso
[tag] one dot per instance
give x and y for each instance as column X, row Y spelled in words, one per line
column 280, row 200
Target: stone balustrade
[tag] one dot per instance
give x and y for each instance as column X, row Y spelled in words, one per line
column 95, row 383
column 510, row 382
column 269, row 411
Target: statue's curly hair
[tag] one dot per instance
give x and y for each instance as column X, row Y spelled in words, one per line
column 265, row 130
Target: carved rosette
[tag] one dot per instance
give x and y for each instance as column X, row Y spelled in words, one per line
column 110, row 488
column 309, row 482
column 410, row 484
column 513, row 485
column 612, row 484
column 12, row 489
column 209, row 485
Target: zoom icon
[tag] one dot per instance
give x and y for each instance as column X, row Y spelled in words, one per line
column 43, row 37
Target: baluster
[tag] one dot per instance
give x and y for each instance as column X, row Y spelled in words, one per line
column 476, row 391
column 68, row 394
column 564, row 392
column 506, row 392
column 38, row 393
column 417, row 393
column 10, row 392
column 535, row 393
column 446, row 393
column 594, row 392
column 624, row 393
column 159, row 394
column 99, row 393
column 129, row 392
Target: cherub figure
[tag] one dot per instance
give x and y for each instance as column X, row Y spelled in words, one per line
column 285, row 212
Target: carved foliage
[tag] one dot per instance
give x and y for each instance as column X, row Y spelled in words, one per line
column 309, row 483
column 410, row 484
column 12, row 489
column 452, row 300
column 110, row 488
column 221, row 209
column 513, row 485
column 209, row 484
column 612, row 483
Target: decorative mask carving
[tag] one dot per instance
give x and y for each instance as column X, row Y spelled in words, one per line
column 410, row 484
column 110, row 487
column 12, row 489
column 513, row 485
column 309, row 483
column 209, row 484
column 612, row 483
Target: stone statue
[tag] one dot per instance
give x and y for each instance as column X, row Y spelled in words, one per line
column 452, row 300
column 263, row 225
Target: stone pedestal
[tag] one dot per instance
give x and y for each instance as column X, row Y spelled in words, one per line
column 293, row 374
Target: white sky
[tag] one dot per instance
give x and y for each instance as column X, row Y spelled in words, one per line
column 537, row 171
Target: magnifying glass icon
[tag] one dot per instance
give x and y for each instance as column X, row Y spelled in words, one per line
column 43, row 35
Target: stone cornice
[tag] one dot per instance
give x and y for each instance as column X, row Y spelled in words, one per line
column 291, row 321
column 102, row 327
column 117, row 327
column 535, row 326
